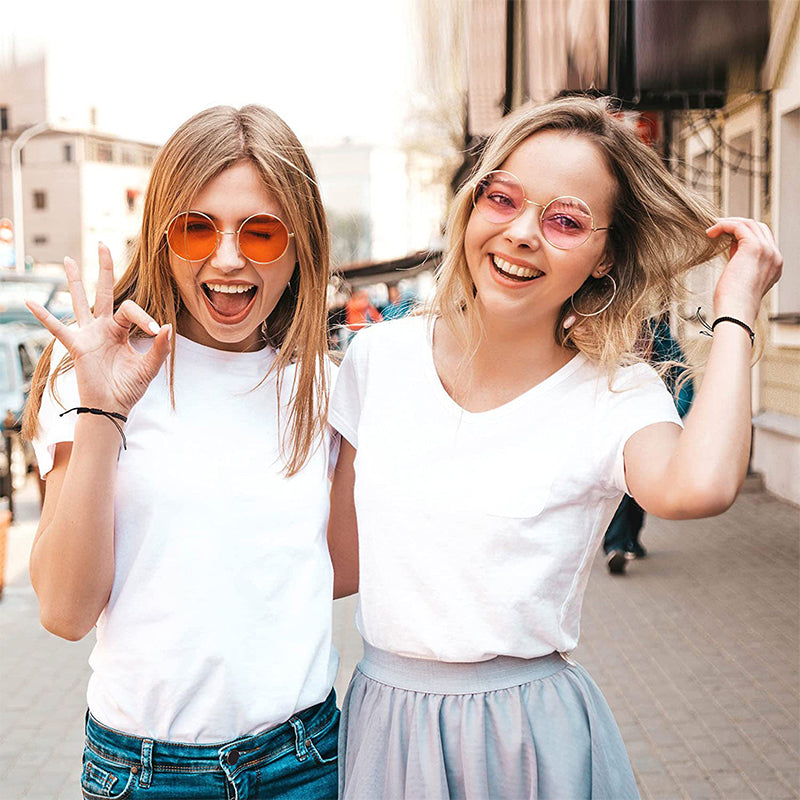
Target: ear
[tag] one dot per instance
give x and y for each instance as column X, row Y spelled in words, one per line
column 602, row 270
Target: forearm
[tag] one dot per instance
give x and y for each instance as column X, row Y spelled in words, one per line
column 710, row 461
column 72, row 560
column 697, row 472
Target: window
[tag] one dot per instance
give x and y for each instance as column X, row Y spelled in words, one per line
column 105, row 152
column 40, row 200
column 40, row 239
column 4, row 124
column 789, row 200
column 740, row 183
column 68, row 153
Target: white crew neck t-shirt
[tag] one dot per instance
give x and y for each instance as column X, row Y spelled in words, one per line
column 477, row 531
column 219, row 619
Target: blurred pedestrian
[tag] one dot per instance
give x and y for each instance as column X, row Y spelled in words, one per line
column 198, row 548
column 526, row 417
column 400, row 303
column 622, row 540
column 360, row 311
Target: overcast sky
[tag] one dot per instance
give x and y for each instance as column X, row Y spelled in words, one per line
column 332, row 69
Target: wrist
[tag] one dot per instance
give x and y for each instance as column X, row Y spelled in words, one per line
column 105, row 404
column 739, row 309
column 116, row 419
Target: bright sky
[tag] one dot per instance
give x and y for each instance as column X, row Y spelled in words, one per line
column 330, row 68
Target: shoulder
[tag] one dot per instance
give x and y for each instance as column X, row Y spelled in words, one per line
column 633, row 376
column 391, row 334
column 629, row 383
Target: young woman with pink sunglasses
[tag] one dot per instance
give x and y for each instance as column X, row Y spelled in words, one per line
column 527, row 413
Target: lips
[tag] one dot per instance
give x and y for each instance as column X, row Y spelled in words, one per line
column 229, row 302
column 514, row 272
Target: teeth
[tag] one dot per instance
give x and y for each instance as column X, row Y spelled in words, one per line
column 514, row 269
column 230, row 288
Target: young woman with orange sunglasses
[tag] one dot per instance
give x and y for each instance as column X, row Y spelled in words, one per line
column 180, row 424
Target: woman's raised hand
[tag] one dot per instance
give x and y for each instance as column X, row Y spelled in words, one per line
column 754, row 267
column 111, row 374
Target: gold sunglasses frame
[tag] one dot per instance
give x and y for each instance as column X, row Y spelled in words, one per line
column 544, row 208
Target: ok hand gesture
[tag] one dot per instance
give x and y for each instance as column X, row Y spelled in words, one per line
column 111, row 374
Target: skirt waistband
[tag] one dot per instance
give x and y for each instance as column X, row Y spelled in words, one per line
column 445, row 677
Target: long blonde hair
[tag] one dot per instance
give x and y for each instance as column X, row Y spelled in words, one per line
column 198, row 151
column 657, row 234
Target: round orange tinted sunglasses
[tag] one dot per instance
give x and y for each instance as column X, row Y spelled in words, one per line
column 261, row 238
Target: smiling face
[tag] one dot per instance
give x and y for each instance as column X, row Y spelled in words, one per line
column 225, row 297
column 517, row 273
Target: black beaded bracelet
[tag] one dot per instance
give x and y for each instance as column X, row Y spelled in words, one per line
column 736, row 322
column 112, row 415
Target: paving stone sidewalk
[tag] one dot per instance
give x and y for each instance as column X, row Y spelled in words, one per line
column 696, row 649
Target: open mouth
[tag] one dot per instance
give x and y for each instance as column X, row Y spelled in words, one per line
column 515, row 272
column 229, row 301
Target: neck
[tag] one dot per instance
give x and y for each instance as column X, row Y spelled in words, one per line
column 512, row 339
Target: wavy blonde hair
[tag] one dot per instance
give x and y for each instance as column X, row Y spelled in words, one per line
column 658, row 233
column 198, row 151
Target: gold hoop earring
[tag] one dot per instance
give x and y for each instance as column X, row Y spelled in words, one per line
column 600, row 310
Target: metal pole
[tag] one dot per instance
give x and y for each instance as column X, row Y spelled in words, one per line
column 16, row 189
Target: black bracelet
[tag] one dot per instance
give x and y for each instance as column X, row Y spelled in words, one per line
column 112, row 415
column 709, row 329
column 736, row 322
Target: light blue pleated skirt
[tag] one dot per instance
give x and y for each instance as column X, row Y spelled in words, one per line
column 505, row 729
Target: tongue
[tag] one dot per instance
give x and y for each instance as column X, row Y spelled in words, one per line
column 229, row 305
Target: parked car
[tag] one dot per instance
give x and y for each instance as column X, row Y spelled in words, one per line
column 20, row 348
column 51, row 291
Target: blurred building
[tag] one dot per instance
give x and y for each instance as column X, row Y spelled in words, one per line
column 80, row 186
column 714, row 86
column 382, row 202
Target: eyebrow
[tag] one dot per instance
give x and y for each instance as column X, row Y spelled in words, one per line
column 215, row 219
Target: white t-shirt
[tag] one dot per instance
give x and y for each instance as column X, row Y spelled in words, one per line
column 477, row 530
column 219, row 620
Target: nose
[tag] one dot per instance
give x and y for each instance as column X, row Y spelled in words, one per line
column 227, row 257
column 525, row 230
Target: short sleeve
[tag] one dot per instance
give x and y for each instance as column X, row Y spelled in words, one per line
column 54, row 428
column 638, row 398
column 345, row 409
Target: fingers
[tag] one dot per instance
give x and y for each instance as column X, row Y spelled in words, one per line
column 129, row 314
column 80, row 305
column 770, row 236
column 53, row 324
column 743, row 229
column 748, row 232
column 104, row 298
column 157, row 354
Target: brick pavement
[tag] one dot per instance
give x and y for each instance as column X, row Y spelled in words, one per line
column 696, row 649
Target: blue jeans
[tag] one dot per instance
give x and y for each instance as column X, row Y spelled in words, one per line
column 295, row 761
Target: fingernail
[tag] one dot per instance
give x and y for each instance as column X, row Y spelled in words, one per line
column 569, row 321
column 153, row 327
column 169, row 332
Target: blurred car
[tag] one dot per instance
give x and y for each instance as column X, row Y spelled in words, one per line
column 51, row 291
column 20, row 348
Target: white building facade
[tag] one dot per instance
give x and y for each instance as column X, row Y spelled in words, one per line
column 79, row 186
